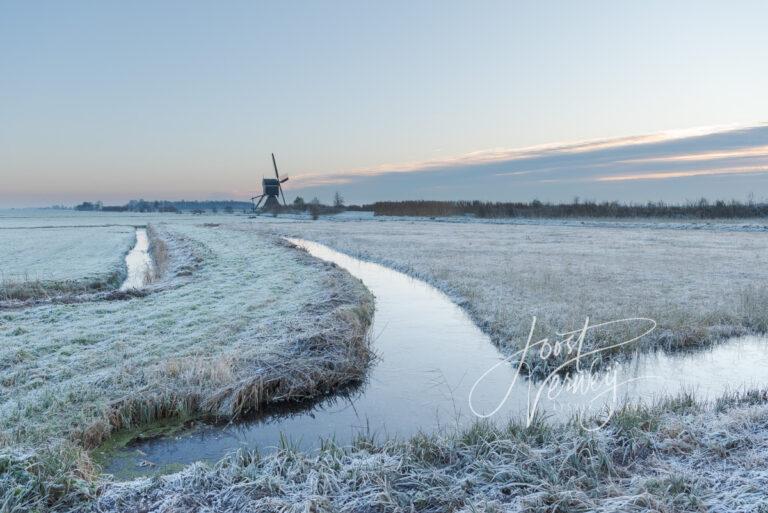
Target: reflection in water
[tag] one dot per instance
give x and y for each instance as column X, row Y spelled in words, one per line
column 139, row 263
column 430, row 355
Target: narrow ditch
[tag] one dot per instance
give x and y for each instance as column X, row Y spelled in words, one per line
column 431, row 356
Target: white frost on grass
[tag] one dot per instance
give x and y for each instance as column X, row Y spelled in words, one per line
column 60, row 259
column 679, row 457
column 699, row 285
column 238, row 320
column 674, row 457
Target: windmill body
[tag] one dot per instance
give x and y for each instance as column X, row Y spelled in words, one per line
column 272, row 190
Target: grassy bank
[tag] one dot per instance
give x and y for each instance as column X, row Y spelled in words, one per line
column 236, row 322
column 678, row 455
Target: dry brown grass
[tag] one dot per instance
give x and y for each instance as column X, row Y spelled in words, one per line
column 222, row 389
column 12, row 292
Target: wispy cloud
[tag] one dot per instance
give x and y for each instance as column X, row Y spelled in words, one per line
column 486, row 156
column 549, row 168
column 758, row 151
column 662, row 175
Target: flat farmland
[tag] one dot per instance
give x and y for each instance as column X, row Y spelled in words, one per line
column 701, row 284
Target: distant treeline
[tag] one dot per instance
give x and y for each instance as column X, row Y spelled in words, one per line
column 226, row 206
column 701, row 209
column 314, row 206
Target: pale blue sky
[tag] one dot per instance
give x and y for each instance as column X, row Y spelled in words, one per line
column 116, row 100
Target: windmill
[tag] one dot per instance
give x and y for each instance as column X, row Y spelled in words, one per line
column 272, row 188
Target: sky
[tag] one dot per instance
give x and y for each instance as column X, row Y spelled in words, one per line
column 492, row 100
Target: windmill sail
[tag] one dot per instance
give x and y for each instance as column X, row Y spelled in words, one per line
column 279, row 181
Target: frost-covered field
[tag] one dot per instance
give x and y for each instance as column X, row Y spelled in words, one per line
column 44, row 218
column 680, row 455
column 64, row 258
column 699, row 284
column 237, row 320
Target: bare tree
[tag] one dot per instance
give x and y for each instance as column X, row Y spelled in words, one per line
column 338, row 200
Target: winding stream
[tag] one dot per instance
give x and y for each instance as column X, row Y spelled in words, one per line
column 430, row 356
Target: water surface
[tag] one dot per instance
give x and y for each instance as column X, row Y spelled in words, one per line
column 430, row 354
